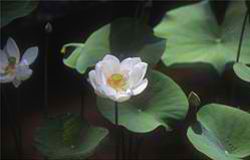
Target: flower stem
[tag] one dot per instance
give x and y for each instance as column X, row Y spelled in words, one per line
column 130, row 147
column 238, row 54
column 48, row 29
column 19, row 123
column 123, row 146
column 83, row 81
column 139, row 142
column 241, row 36
column 117, row 131
column 45, row 76
column 82, row 104
column 10, row 113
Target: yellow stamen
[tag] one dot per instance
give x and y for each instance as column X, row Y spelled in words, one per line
column 10, row 69
column 117, row 81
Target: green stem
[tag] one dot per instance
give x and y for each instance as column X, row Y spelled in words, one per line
column 19, row 123
column 117, row 131
column 48, row 29
column 238, row 53
column 130, row 147
column 123, row 146
column 241, row 36
column 83, row 89
column 82, row 105
column 10, row 112
column 139, row 142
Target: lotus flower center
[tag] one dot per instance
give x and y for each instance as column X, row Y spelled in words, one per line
column 117, row 81
column 10, row 68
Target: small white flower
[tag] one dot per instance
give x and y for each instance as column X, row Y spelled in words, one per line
column 12, row 69
column 119, row 80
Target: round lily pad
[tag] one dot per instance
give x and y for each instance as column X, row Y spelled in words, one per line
column 221, row 132
column 11, row 10
column 125, row 37
column 242, row 71
column 162, row 103
column 194, row 36
column 68, row 137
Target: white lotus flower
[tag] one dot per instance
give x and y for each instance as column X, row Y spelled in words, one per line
column 12, row 69
column 119, row 80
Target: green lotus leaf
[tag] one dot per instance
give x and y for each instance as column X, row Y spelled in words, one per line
column 222, row 132
column 71, row 129
column 11, row 10
column 194, row 35
column 68, row 137
column 162, row 103
column 124, row 37
column 72, row 59
column 242, row 71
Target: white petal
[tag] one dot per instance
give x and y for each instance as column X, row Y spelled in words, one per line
column 101, row 89
column 122, row 97
column 137, row 74
column 16, row 82
column 29, row 55
column 92, row 79
column 112, row 58
column 12, row 49
column 23, row 72
column 110, row 65
column 140, row 88
column 3, row 60
column 100, row 77
column 109, row 68
column 7, row 78
column 129, row 63
column 109, row 92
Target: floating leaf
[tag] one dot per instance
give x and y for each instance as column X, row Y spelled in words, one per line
column 71, row 129
column 242, row 71
column 124, row 37
column 162, row 103
column 72, row 59
column 11, row 10
column 194, row 35
column 222, row 132
column 68, row 137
